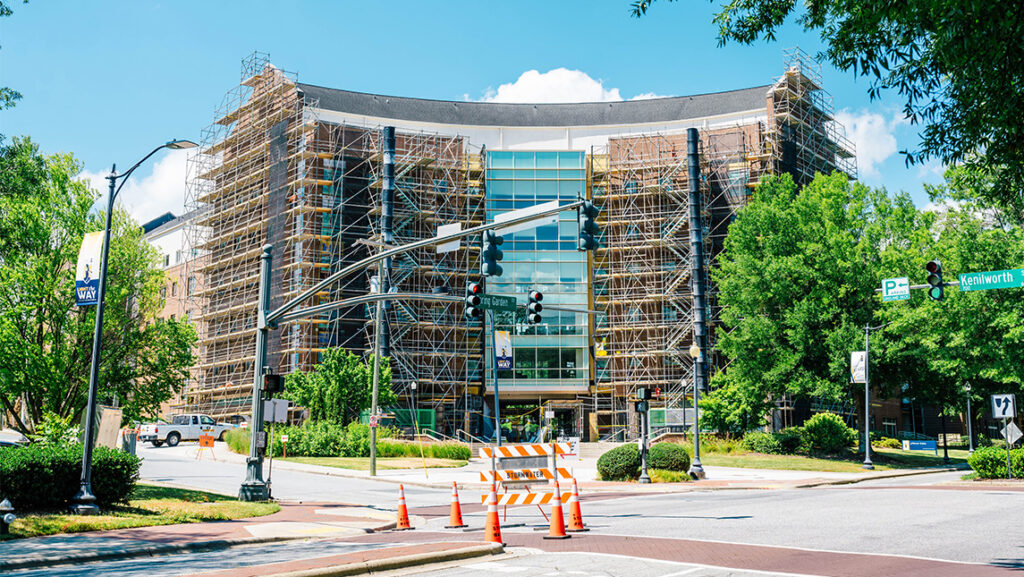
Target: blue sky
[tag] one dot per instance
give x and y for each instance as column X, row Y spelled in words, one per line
column 108, row 81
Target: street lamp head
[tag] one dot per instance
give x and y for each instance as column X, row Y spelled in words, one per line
column 967, row 386
column 694, row 351
column 180, row 144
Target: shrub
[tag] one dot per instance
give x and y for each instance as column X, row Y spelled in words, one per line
column 620, row 464
column 238, row 440
column 668, row 456
column 449, row 450
column 710, row 443
column 41, row 477
column 791, row 440
column 828, row 433
column 990, row 462
column 760, row 442
column 394, row 448
column 886, row 443
column 357, row 440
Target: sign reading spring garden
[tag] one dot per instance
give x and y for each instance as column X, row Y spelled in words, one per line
column 997, row 279
column 87, row 279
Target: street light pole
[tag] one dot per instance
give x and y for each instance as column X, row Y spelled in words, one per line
column 970, row 434
column 85, row 500
column 867, row 399
column 696, row 469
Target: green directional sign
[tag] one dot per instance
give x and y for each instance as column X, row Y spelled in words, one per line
column 497, row 303
column 997, row 279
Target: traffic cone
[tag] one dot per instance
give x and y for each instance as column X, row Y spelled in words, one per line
column 492, row 530
column 557, row 530
column 575, row 515
column 455, row 519
column 403, row 512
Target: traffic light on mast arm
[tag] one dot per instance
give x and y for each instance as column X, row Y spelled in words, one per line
column 586, row 219
column 473, row 292
column 936, row 291
column 533, row 307
column 491, row 253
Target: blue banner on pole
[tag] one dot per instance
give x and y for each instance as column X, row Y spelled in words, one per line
column 503, row 350
column 87, row 281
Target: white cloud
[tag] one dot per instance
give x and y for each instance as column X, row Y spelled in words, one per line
column 558, row 85
column 874, row 136
column 151, row 196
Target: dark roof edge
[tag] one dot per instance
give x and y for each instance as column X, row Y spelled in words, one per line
column 652, row 110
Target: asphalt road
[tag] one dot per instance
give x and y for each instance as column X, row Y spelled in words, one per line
column 910, row 516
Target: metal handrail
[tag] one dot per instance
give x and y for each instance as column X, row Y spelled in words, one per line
column 436, row 435
column 468, row 436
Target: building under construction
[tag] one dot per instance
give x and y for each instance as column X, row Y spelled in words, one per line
column 301, row 167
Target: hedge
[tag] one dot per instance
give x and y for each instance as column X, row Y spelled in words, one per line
column 325, row 439
column 760, row 442
column 46, row 477
column 668, row 456
column 620, row 464
column 990, row 462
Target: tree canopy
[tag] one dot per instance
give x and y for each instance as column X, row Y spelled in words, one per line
column 958, row 65
column 339, row 387
column 46, row 338
column 797, row 283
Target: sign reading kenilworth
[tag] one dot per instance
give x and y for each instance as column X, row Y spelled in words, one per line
column 997, row 279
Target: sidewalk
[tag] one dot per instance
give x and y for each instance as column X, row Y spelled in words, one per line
column 294, row 521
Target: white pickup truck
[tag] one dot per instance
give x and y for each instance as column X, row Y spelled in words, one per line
column 182, row 428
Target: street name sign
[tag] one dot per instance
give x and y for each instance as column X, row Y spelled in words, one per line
column 1004, row 406
column 997, row 279
column 895, row 289
column 497, row 303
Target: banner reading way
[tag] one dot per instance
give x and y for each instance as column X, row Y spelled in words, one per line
column 503, row 349
column 87, row 281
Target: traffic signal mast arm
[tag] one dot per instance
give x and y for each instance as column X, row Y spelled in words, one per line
column 276, row 316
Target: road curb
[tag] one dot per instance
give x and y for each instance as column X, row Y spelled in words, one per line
column 399, row 562
column 894, row 475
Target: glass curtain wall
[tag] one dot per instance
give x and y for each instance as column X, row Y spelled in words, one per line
column 550, row 357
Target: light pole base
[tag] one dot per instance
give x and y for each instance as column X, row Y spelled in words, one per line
column 85, row 509
column 868, row 465
column 696, row 471
column 645, row 479
column 254, row 492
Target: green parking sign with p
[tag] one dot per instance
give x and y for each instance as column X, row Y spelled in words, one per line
column 895, row 289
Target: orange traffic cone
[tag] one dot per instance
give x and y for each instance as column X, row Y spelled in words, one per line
column 403, row 512
column 557, row 530
column 492, row 531
column 455, row 519
column 575, row 515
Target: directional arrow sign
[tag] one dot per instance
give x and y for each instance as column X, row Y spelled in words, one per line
column 895, row 289
column 997, row 279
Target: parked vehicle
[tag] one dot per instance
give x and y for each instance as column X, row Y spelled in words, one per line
column 182, row 428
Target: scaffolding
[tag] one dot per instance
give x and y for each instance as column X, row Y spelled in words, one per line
column 642, row 273
column 270, row 170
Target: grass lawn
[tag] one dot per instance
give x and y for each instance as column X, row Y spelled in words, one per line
column 883, row 459
column 383, row 463
column 150, row 505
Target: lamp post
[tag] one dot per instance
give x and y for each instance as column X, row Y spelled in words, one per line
column 867, row 393
column 970, row 434
column 85, row 501
column 696, row 469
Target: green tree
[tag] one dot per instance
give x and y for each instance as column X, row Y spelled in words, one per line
column 958, row 64
column 340, row 387
column 8, row 96
column 796, row 281
column 46, row 339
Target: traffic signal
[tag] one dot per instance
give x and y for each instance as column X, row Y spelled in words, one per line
column 492, row 254
column 657, row 392
column 585, row 218
column 533, row 307
column 473, row 292
column 936, row 290
column 272, row 384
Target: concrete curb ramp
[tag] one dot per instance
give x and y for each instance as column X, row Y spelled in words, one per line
column 400, row 562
